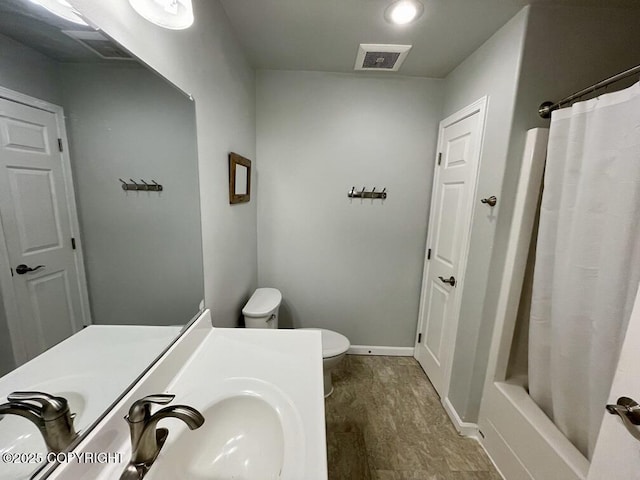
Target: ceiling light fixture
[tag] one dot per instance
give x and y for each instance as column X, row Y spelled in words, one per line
column 172, row 14
column 403, row 12
column 62, row 9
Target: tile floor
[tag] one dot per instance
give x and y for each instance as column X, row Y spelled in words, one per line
column 385, row 422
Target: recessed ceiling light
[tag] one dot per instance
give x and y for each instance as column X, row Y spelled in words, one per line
column 403, row 12
column 172, row 14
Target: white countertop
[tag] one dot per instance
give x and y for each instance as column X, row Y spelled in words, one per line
column 207, row 367
column 90, row 369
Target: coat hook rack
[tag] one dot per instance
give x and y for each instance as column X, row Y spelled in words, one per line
column 144, row 186
column 364, row 194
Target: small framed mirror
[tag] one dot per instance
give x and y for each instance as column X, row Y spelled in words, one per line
column 239, row 178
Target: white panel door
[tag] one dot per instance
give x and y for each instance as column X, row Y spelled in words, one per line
column 617, row 453
column 455, row 177
column 36, row 226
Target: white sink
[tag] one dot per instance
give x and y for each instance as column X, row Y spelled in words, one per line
column 260, row 392
column 111, row 356
column 251, row 431
column 19, row 435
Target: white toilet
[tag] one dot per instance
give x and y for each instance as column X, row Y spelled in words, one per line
column 261, row 311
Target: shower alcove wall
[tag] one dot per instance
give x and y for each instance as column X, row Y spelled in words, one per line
column 522, row 440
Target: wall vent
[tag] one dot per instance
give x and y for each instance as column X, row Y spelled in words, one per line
column 99, row 44
column 386, row 58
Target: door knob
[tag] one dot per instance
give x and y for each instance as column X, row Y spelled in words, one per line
column 629, row 411
column 22, row 269
column 451, row 280
column 491, row 201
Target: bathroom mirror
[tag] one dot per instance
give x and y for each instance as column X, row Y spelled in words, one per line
column 80, row 117
column 239, row 179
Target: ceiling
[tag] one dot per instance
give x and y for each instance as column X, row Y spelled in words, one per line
column 35, row 27
column 324, row 34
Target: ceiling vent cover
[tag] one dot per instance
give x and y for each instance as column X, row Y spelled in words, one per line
column 99, row 44
column 387, row 58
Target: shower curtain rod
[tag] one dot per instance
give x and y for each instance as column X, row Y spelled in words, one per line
column 547, row 107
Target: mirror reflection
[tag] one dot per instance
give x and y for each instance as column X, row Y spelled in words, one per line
column 78, row 118
column 241, row 180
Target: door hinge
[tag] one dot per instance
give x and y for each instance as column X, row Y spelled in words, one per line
column 73, row 243
column 60, row 144
column 439, row 158
column 429, row 254
column 419, row 338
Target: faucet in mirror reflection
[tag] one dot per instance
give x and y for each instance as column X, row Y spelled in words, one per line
column 50, row 414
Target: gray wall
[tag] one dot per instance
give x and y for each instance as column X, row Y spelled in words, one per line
column 26, row 71
column 348, row 265
column 142, row 250
column 207, row 61
column 491, row 70
column 565, row 49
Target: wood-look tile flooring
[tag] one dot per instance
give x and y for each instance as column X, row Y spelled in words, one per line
column 385, row 422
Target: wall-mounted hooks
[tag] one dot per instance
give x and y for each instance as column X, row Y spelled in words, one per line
column 156, row 187
column 364, row 194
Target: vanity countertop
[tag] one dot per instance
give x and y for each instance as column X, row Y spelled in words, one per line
column 90, row 369
column 261, row 394
column 105, row 358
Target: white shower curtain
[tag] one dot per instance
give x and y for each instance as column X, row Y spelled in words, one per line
column 587, row 265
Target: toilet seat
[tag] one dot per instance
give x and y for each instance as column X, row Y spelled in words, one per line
column 333, row 343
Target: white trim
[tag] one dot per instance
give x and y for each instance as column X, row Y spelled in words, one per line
column 479, row 106
column 495, row 465
column 8, row 300
column 73, row 218
column 466, row 429
column 384, row 351
column 6, row 284
column 18, row 97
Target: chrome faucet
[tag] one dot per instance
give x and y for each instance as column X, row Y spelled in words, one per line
column 146, row 439
column 47, row 412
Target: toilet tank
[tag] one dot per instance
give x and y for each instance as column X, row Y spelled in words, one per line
column 261, row 311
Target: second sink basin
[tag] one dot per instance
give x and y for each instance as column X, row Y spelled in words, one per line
column 251, row 432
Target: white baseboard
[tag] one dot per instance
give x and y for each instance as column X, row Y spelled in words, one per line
column 465, row 429
column 374, row 350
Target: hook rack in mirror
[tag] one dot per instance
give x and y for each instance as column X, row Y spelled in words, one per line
column 144, row 186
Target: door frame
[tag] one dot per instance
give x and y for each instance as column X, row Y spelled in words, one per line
column 480, row 107
column 7, row 292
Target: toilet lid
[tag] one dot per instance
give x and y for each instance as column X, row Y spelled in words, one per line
column 262, row 302
column 333, row 343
